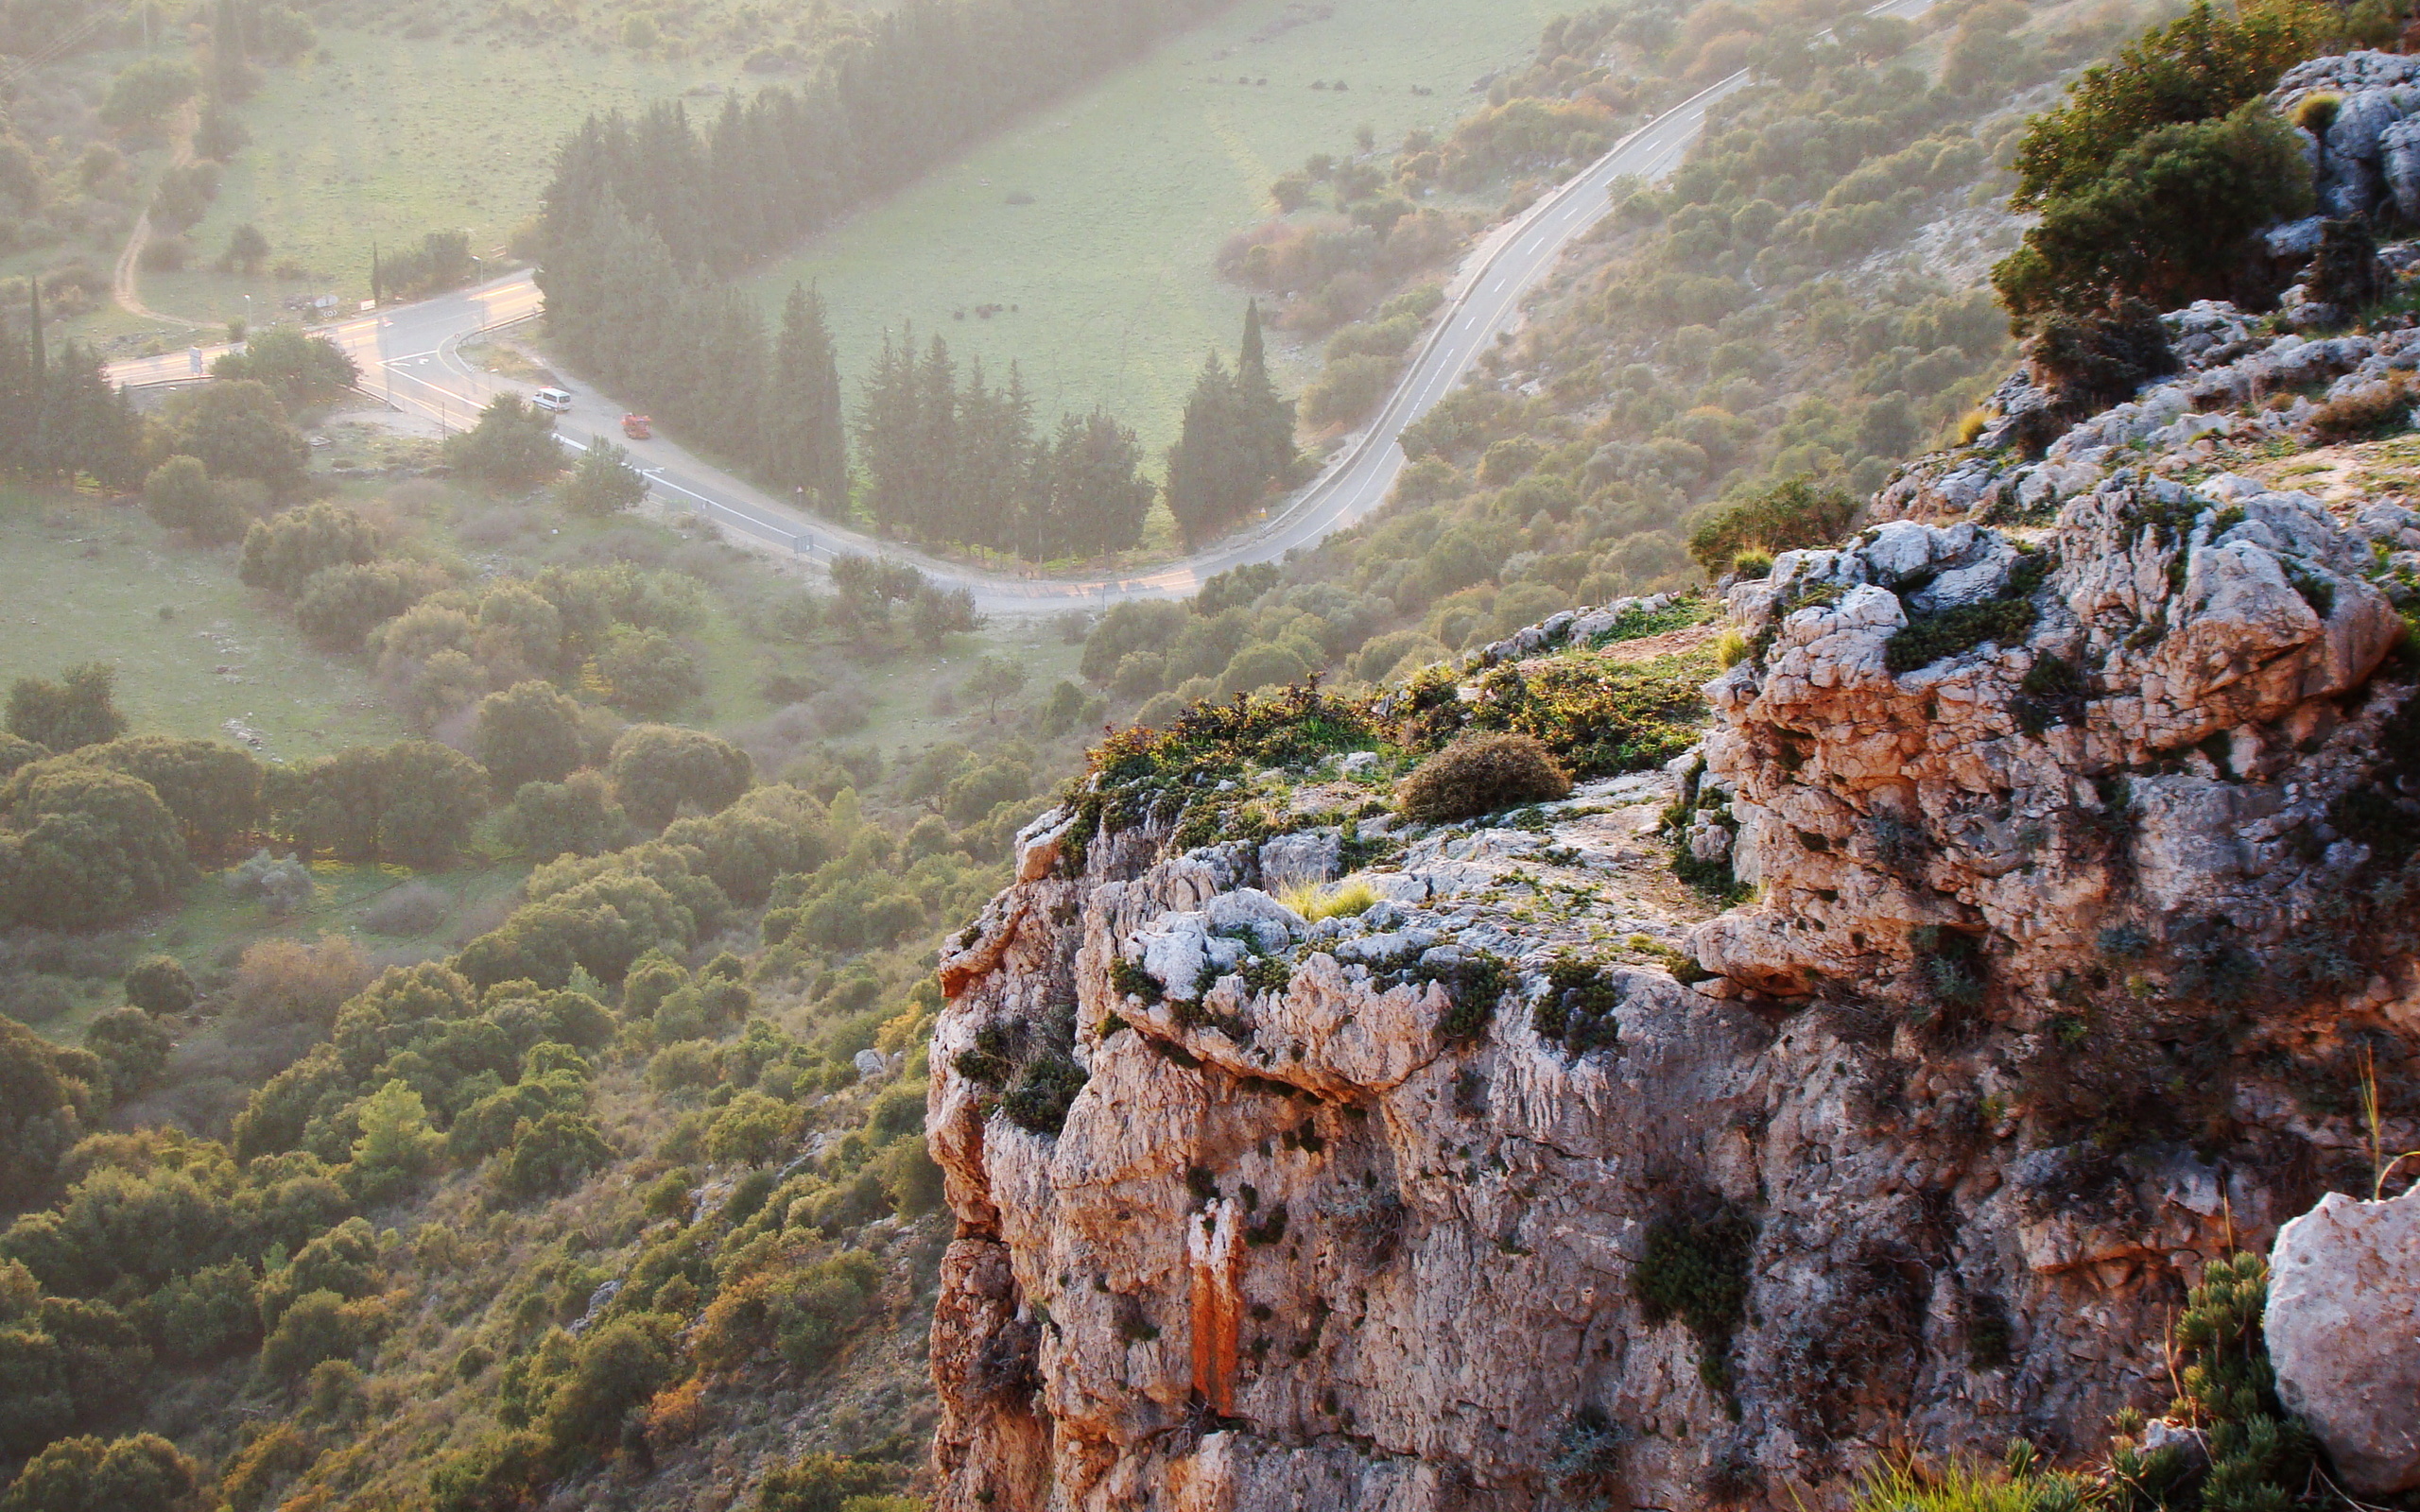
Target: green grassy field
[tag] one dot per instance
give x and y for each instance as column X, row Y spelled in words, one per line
column 83, row 581
column 1135, row 182
column 390, row 138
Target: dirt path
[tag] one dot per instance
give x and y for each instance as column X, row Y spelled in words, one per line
column 122, row 287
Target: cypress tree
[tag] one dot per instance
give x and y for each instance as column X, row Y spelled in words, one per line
column 1201, row 484
column 1097, row 496
column 37, row 384
column 1268, row 420
column 888, row 428
column 805, row 432
column 935, row 465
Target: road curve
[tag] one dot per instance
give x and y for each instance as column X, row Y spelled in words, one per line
column 410, row 356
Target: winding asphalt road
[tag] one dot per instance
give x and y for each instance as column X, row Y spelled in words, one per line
column 411, row 355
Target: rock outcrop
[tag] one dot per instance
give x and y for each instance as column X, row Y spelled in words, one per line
column 2344, row 1328
column 2075, row 806
column 1539, row 1180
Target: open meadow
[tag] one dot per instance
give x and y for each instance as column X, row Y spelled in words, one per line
column 1090, row 229
column 388, row 138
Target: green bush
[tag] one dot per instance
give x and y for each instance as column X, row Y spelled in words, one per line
column 576, row 816
column 283, row 552
column 238, row 429
column 81, row 847
column 78, row 709
column 527, row 734
column 602, row 482
column 144, row 1473
column 618, row 1367
column 822, row 1304
column 1695, row 1269
column 318, row 1326
column 657, row 768
column 553, row 1154
column 341, row 605
column 2208, row 63
column 159, row 983
column 820, row 1481
column 511, row 446
column 298, row 367
column 1790, row 516
column 133, row 1050
column 2171, row 221
column 1955, row 631
column 179, row 495
column 1482, row 774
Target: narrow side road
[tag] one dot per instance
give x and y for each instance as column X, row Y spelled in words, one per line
column 411, row 356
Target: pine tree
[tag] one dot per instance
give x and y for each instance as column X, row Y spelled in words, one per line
column 805, row 431
column 376, row 296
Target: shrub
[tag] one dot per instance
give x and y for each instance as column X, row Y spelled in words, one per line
column 657, row 768
column 2170, row 221
column 340, row 606
column 78, row 709
column 1315, row 900
column 553, row 1154
column 1955, row 631
column 300, row 368
column 82, row 847
column 144, row 1473
column 1695, row 1268
column 1786, row 517
column 647, row 671
column 527, row 734
column 159, row 983
column 133, row 1049
column 414, row 908
column 1044, row 1088
column 512, row 445
column 289, row 980
column 284, row 551
column 2377, row 409
column 179, row 495
column 413, row 802
column 822, row 1305
column 820, row 1481
column 318, row 1326
column 213, row 789
column 2205, row 64
column 618, row 1367
column 576, row 816
column 602, row 482
column 238, row 429
column 1481, row 774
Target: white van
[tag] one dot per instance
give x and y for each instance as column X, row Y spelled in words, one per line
column 556, row 400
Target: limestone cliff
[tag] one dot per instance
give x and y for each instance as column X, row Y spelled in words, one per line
column 2071, row 808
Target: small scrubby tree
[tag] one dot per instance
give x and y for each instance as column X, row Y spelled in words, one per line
column 602, row 482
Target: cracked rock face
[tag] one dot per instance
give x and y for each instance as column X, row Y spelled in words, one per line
column 1306, row 1239
column 2154, row 734
column 2343, row 1330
